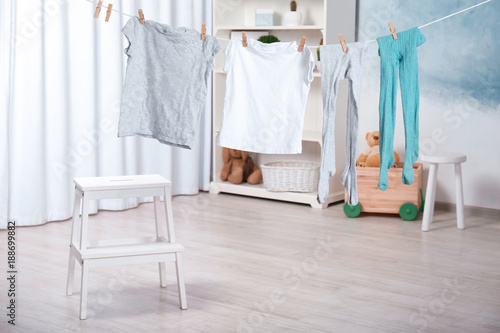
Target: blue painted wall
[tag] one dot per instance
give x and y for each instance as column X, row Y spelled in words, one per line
column 459, row 72
column 468, row 44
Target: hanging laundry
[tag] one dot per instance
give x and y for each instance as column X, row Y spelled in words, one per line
column 399, row 55
column 266, row 93
column 166, row 82
column 337, row 65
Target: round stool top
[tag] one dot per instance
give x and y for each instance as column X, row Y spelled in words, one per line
column 444, row 157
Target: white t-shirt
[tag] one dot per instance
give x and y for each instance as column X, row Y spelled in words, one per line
column 266, row 93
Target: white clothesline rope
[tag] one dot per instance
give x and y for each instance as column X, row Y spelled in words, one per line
column 441, row 19
column 114, row 10
column 446, row 17
column 370, row 41
column 459, row 12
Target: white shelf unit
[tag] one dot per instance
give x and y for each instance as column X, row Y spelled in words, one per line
column 240, row 16
column 225, row 29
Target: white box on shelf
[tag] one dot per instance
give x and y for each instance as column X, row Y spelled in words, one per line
column 264, row 17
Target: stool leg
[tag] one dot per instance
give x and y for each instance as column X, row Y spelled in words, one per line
column 85, row 265
column 74, row 228
column 170, row 216
column 71, row 274
column 180, row 281
column 84, row 223
column 160, row 232
column 83, row 293
column 430, row 195
column 163, row 274
column 460, row 196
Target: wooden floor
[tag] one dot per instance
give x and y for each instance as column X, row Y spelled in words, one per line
column 254, row 265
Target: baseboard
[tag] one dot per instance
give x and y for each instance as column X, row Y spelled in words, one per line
column 469, row 210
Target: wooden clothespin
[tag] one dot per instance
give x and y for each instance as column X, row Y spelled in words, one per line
column 141, row 16
column 98, row 9
column 302, row 42
column 108, row 13
column 244, row 37
column 203, row 31
column 342, row 42
column 393, row 31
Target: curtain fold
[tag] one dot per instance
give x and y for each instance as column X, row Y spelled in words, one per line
column 62, row 73
column 7, row 33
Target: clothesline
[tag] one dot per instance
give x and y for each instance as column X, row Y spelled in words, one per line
column 370, row 41
column 114, row 10
column 459, row 12
column 444, row 18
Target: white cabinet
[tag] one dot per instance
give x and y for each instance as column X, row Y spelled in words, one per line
column 239, row 15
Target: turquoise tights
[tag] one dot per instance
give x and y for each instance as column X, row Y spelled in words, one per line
column 398, row 54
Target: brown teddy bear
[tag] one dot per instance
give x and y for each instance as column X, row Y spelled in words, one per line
column 371, row 157
column 239, row 167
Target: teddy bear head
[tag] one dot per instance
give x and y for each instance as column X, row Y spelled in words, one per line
column 228, row 153
column 373, row 138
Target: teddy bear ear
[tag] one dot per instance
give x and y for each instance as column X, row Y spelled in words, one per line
column 225, row 154
column 244, row 155
column 367, row 135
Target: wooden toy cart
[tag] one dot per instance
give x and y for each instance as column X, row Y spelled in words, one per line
column 405, row 200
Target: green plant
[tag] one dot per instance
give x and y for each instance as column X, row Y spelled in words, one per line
column 268, row 39
column 293, row 6
column 320, row 43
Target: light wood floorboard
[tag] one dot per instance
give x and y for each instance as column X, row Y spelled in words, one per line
column 255, row 265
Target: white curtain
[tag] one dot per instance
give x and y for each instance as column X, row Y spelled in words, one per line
column 61, row 80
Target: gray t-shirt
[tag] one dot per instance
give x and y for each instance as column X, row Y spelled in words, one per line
column 166, row 82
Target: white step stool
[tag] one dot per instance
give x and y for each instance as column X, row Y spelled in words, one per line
column 430, row 195
column 95, row 253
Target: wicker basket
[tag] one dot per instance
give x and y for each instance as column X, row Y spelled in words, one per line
column 294, row 176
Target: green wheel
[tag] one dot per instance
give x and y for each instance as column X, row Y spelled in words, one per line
column 423, row 202
column 352, row 211
column 408, row 211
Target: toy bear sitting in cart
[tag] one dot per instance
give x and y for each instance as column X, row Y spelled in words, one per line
column 370, row 157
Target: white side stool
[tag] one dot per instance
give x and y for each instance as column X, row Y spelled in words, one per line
column 430, row 195
column 160, row 248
